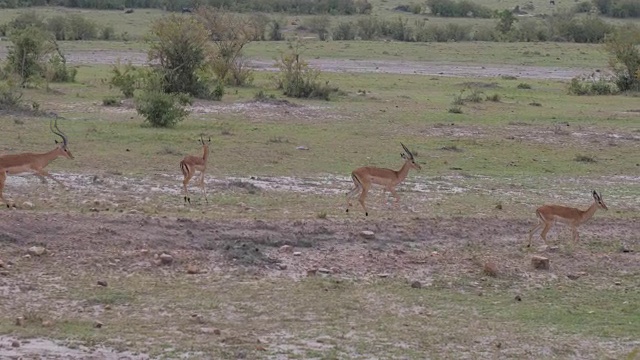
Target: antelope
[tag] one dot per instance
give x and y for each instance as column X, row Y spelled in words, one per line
column 548, row 215
column 364, row 177
column 34, row 163
column 190, row 164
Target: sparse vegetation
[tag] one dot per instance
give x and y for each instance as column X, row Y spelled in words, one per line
column 298, row 79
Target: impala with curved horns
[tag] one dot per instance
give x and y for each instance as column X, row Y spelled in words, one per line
column 366, row 176
column 34, row 163
column 548, row 215
column 190, row 164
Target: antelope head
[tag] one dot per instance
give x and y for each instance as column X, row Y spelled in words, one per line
column 62, row 146
column 408, row 157
column 599, row 200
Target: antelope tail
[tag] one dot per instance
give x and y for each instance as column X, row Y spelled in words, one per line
column 184, row 167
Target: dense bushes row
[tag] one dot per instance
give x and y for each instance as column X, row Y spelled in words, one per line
column 63, row 27
column 618, row 8
column 559, row 27
column 337, row 7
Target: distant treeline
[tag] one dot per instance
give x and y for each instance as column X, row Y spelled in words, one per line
column 334, row 7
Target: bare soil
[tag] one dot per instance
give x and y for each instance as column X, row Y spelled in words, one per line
column 422, row 249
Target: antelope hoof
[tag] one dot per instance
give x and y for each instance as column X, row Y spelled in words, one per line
column 347, row 210
column 366, row 214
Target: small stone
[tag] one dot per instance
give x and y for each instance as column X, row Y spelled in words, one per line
column 416, row 284
column 107, row 307
column 286, row 248
column 1, row 263
column 27, row 256
column 102, row 283
column 573, row 276
column 98, row 325
column 4, row 273
column 192, row 269
column 15, row 343
column 518, row 298
column 367, row 234
column 37, row 251
column 324, row 270
column 383, row 275
column 166, row 259
column 617, row 283
column 490, row 269
column 540, row 262
column 20, row 321
column 27, row 205
column 47, row 323
column 216, row 332
column 282, row 266
column 312, row 272
column 297, row 253
column 302, row 147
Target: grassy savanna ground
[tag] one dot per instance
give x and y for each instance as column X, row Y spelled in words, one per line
column 518, row 152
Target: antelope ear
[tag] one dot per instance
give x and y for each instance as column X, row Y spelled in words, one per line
column 595, row 195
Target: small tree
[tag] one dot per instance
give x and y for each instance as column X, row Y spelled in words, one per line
column 506, row 19
column 230, row 33
column 297, row 79
column 27, row 57
column 625, row 57
column 161, row 109
column 180, row 46
column 127, row 78
column 319, row 25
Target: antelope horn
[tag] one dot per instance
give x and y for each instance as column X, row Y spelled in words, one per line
column 54, row 129
column 407, row 151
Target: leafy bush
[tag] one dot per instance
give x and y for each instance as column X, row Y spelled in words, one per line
column 524, row 86
column 591, row 86
column 126, row 78
column 368, row 27
column 161, row 109
column 181, row 46
column 57, row 70
column 297, row 79
column 344, row 31
column 464, row 8
column 107, row 33
column 10, row 96
column 27, row 57
column 111, row 101
column 229, row 33
column 625, row 57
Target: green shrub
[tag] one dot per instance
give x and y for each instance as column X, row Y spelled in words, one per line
column 126, row 78
column 58, row 70
column 494, row 98
column 10, row 96
column 591, row 86
column 161, row 109
column 464, row 8
column 111, row 101
column 524, row 86
column 297, row 79
column 344, row 31
column 475, row 96
column 368, row 27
